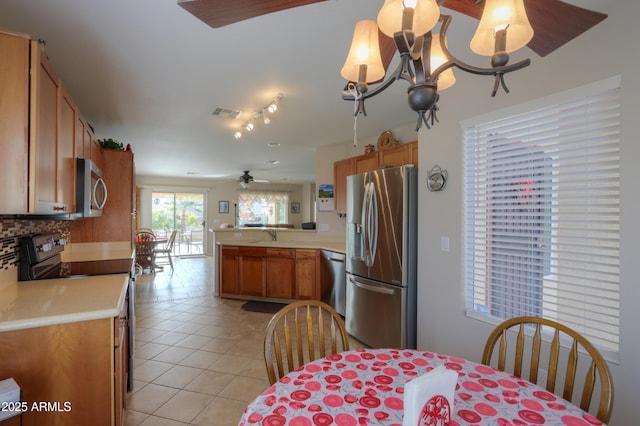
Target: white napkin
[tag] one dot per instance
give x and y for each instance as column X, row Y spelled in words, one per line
column 428, row 399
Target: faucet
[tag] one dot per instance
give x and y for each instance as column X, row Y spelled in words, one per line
column 272, row 234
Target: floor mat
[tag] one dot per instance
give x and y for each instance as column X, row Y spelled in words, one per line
column 264, row 307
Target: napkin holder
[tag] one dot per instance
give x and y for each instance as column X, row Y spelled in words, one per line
column 429, row 398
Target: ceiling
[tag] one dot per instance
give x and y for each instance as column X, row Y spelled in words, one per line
column 150, row 74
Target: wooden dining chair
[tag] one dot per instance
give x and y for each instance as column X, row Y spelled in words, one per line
column 514, row 337
column 167, row 250
column 145, row 250
column 302, row 332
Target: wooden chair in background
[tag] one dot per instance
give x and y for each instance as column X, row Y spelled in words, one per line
column 302, row 332
column 167, row 250
column 145, row 250
column 581, row 355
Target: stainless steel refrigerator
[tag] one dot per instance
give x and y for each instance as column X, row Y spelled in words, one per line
column 381, row 257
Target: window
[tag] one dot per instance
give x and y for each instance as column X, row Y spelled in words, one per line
column 542, row 213
column 262, row 208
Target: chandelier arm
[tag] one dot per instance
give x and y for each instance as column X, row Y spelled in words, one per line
column 453, row 61
column 400, row 73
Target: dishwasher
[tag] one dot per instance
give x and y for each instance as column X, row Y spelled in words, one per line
column 333, row 275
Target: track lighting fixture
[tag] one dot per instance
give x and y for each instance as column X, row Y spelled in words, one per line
column 261, row 114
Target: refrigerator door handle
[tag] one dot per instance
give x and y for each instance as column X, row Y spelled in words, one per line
column 371, row 288
column 373, row 225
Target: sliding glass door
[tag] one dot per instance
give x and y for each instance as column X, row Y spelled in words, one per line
column 183, row 212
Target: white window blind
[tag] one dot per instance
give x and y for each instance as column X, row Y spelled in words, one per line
column 542, row 216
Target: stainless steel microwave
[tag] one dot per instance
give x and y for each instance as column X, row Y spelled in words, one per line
column 91, row 189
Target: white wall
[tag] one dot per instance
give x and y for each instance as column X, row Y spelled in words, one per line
column 606, row 50
column 216, row 192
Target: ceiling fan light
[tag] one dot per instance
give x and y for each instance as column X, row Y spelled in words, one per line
column 365, row 50
column 392, row 14
column 446, row 79
column 497, row 15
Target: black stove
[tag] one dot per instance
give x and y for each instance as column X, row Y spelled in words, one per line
column 40, row 259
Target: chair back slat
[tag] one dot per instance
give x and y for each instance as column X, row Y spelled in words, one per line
column 536, row 344
column 580, row 356
column 311, row 329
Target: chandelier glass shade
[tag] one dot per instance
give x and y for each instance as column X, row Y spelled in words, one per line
column 425, row 60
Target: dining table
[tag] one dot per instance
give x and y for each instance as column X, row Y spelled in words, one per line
column 366, row 386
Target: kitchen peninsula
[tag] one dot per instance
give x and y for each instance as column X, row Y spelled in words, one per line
column 271, row 264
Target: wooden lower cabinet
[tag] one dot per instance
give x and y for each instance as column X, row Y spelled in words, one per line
column 308, row 274
column 274, row 273
column 229, row 275
column 73, row 372
column 252, row 266
column 281, row 278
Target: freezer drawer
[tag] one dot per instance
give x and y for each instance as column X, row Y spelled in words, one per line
column 376, row 313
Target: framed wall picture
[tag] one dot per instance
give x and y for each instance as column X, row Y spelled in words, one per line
column 223, row 207
column 295, row 207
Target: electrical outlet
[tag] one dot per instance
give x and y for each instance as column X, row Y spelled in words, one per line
column 542, row 377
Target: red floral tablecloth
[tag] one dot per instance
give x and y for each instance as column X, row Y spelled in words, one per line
column 365, row 386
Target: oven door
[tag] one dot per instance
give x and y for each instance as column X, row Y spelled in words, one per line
column 91, row 189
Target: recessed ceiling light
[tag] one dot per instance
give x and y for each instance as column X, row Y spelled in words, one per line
column 272, row 162
column 273, row 144
column 192, row 173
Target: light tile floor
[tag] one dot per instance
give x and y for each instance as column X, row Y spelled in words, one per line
column 198, row 358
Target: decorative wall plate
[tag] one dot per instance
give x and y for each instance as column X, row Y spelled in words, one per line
column 386, row 140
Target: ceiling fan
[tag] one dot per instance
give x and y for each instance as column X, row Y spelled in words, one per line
column 555, row 23
column 245, row 179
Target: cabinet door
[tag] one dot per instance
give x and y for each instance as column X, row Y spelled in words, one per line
column 14, row 110
column 229, row 273
column 397, row 156
column 280, row 273
column 66, row 151
column 366, row 163
column 341, row 169
column 307, row 274
column 43, row 176
column 253, row 271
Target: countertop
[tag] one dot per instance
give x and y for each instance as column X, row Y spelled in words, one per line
column 318, row 245
column 28, row 304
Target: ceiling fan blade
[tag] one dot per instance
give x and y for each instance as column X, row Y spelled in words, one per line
column 554, row 22
column 218, row 13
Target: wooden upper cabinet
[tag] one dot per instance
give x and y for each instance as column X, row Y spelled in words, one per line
column 341, row 169
column 43, row 164
column 66, row 161
column 14, row 127
column 398, row 155
column 365, row 163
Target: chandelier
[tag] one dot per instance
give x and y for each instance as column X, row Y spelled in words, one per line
column 425, row 61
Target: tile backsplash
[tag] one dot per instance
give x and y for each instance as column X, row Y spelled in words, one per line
column 12, row 229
